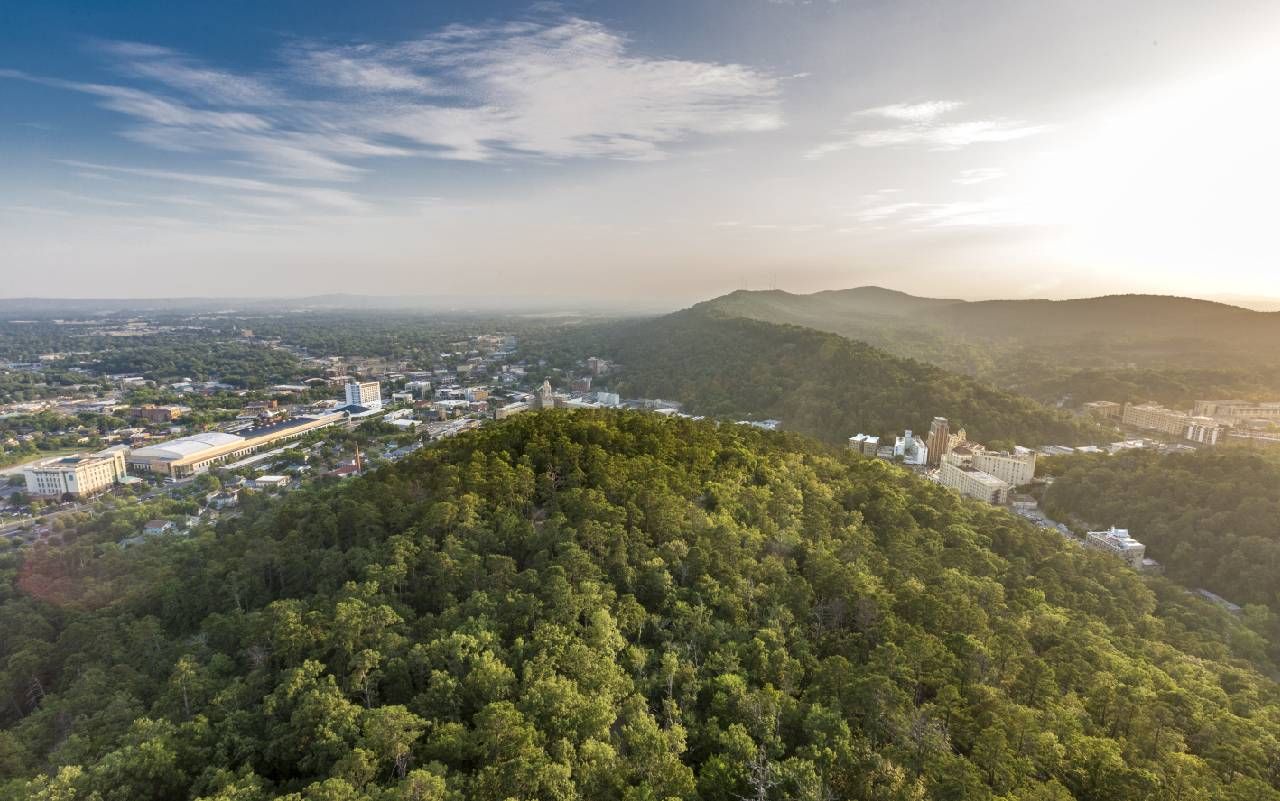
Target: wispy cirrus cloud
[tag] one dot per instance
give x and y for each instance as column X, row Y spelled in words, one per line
column 569, row 89
column 361, row 67
column 922, row 124
column 177, row 71
column 331, row 198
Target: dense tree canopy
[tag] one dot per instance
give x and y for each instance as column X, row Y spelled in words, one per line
column 1212, row 517
column 618, row 606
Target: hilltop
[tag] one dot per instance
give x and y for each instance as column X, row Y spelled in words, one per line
column 618, row 607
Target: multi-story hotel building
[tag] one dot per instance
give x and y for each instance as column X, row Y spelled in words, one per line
column 1015, row 469
column 364, row 393
column 1235, row 411
column 79, row 475
column 939, row 438
column 973, row 483
column 1154, row 417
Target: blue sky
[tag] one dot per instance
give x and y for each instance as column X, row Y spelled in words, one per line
column 640, row 151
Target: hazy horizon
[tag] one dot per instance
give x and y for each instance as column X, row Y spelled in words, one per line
column 648, row 154
column 544, row 304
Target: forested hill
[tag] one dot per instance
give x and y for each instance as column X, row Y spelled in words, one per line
column 1125, row 316
column 1121, row 347
column 819, row 384
column 610, row 606
column 1211, row 517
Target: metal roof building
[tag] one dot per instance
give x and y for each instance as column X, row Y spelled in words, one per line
column 196, row 453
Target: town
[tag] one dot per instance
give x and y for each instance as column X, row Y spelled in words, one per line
column 192, row 449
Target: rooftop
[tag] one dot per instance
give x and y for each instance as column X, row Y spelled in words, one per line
column 189, row 445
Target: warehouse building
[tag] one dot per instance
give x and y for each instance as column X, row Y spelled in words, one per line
column 187, row 456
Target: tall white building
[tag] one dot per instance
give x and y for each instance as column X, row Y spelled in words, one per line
column 911, row 449
column 546, row 398
column 79, row 475
column 364, row 393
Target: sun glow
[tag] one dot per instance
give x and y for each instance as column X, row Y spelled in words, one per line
column 1182, row 181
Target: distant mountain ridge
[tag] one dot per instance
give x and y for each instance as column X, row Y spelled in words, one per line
column 818, row 383
column 1133, row 315
column 1135, row 347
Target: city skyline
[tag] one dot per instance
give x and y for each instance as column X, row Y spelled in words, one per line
column 649, row 154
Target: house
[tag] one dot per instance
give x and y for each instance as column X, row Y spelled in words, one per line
column 222, row 500
column 153, row 527
column 271, row 482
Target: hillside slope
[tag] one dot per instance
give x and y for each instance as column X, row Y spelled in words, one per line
column 827, row 386
column 616, row 607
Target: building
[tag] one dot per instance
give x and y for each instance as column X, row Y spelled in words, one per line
column 79, row 475
column 939, row 438
column 973, row 483
column 1236, row 411
column 582, row 384
column 271, row 482
column 1103, row 410
column 546, row 397
column 1204, row 430
column 364, row 393
column 864, row 444
column 1154, row 417
column 159, row 414
column 1200, row 428
column 153, row 527
column 503, row 412
column 186, row 456
column 911, row 449
column 419, row 388
column 597, row 366
column 610, row 399
column 1117, row 542
column 1015, row 469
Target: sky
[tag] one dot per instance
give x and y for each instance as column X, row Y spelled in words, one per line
column 657, row 152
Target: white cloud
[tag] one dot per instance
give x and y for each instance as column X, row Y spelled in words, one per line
column 334, row 199
column 978, row 175
column 912, row 112
column 565, row 89
column 953, row 214
column 176, row 71
column 361, row 67
column 951, row 136
column 570, row 90
column 921, row 126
